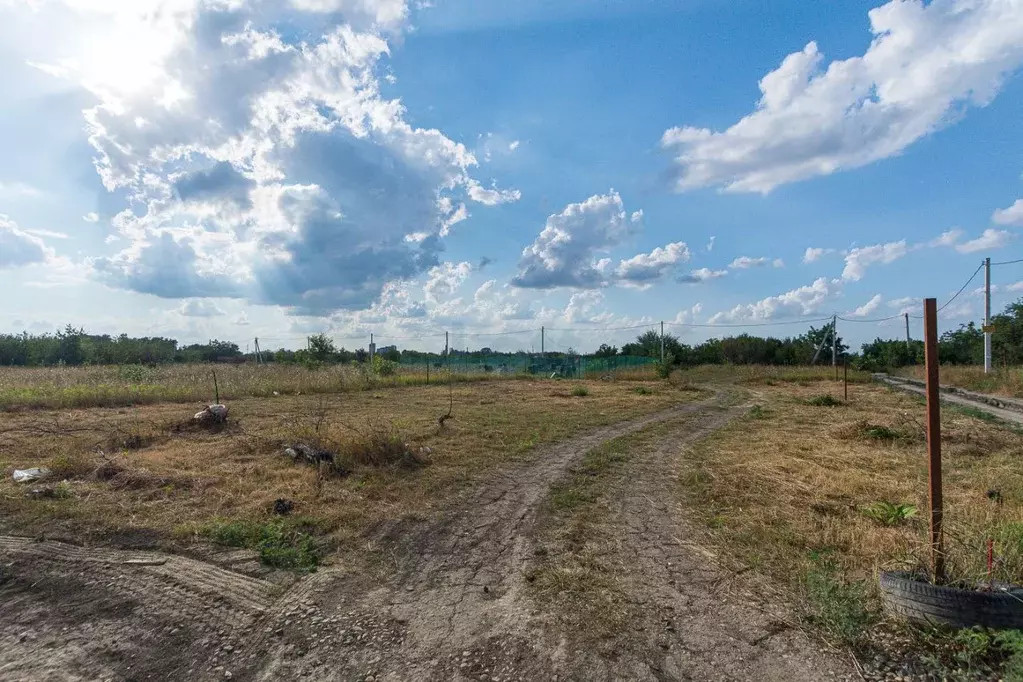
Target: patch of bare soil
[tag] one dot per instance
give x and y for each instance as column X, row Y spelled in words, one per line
column 74, row 613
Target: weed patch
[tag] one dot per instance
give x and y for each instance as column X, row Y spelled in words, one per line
column 834, row 604
column 824, row 400
column 280, row 543
column 889, row 514
column 580, row 391
column 642, row 390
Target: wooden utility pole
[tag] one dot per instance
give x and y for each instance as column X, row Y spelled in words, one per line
column 845, row 379
column 933, row 437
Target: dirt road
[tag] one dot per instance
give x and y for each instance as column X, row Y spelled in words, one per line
column 454, row 605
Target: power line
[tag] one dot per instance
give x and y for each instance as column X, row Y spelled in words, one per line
column 961, row 290
column 604, row 329
column 1009, row 262
column 879, row 319
column 728, row 325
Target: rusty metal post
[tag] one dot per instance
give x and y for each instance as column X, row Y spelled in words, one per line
column 933, row 437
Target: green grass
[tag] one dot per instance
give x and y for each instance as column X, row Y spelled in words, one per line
column 839, row 607
column 824, row 400
column 889, row 514
column 642, row 390
column 580, row 391
column 280, row 543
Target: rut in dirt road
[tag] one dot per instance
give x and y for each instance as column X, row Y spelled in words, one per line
column 454, row 609
column 689, row 618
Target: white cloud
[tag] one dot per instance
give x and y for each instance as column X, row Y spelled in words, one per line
column 200, row 307
column 18, row 247
column 859, row 259
column 990, row 239
column 925, row 65
column 241, row 320
column 444, row 279
column 565, row 252
column 259, row 166
column 700, row 275
column 513, row 145
column 645, row 268
column 48, row 234
column 869, row 307
column 710, row 244
column 492, row 197
column 814, row 254
column 947, row 238
column 1013, row 215
column 797, row 302
column 1018, row 286
column 91, row 217
column 746, row 262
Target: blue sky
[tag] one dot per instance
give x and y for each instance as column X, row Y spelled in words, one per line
column 234, row 169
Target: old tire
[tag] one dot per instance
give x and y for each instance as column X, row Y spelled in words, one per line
column 926, row 604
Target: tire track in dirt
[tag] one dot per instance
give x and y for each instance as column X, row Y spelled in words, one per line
column 691, row 619
column 71, row 612
column 453, row 609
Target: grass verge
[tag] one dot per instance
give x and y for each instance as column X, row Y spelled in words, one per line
column 785, row 491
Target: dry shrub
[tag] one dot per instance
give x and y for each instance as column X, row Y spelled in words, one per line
column 70, row 466
column 380, row 445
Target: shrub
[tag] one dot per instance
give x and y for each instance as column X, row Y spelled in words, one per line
column 383, row 367
column 380, row 446
column 824, row 400
column 580, row 391
column 642, row 390
column 73, row 466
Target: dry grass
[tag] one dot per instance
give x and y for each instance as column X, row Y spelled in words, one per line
column 183, row 479
column 113, row 386
column 795, row 479
column 1005, row 381
column 766, row 375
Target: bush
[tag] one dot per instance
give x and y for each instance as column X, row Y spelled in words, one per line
column 383, row 367
column 824, row 400
column 380, row 446
column 580, row 391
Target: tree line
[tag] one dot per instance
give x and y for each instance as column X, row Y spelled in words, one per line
column 962, row 346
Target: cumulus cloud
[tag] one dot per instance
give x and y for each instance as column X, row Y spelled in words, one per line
column 814, row 254
column 18, row 247
column 859, row 259
column 925, row 65
column 645, row 268
column 445, row 278
column 91, row 217
column 565, row 252
column 200, row 307
column 1013, row 215
column 493, row 196
column 710, row 244
column 746, row 262
column 990, row 239
column 947, row 238
column 701, row 275
column 805, row 300
column 259, row 166
column 869, row 307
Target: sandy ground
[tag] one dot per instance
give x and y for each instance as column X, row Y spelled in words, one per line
column 454, row 607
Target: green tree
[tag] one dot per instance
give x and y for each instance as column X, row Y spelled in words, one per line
column 321, row 348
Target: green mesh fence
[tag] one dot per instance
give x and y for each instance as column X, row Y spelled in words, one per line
column 540, row 365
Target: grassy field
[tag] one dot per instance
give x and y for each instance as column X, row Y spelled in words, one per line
column 1005, row 381
column 822, row 494
column 135, row 470
column 119, row 386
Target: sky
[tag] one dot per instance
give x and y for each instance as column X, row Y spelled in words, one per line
column 242, row 169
